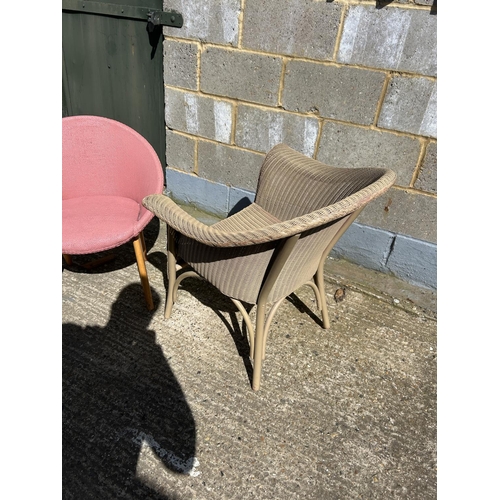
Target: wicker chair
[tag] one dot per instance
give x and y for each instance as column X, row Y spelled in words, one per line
column 280, row 242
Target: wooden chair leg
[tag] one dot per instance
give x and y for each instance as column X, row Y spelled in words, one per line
column 143, row 273
column 68, row 259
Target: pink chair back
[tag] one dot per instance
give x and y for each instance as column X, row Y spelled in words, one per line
column 105, row 157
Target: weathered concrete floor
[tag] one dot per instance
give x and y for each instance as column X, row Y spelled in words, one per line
column 157, row 409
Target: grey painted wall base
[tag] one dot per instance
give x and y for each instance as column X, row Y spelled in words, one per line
column 214, row 198
column 412, row 260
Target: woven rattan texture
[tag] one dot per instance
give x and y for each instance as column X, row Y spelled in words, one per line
column 295, row 194
column 292, row 185
column 237, row 272
column 286, row 167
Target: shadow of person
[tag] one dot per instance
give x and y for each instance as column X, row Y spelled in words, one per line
column 121, row 400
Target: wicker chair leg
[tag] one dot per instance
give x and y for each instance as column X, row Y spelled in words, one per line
column 282, row 255
column 267, row 325
column 185, row 274
column 143, row 273
column 259, row 346
column 320, row 300
column 320, row 283
column 171, row 271
column 248, row 323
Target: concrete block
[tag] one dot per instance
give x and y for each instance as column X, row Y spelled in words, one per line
column 427, row 177
column 229, row 165
column 347, row 146
column 180, row 152
column 303, row 28
column 239, row 199
column 192, row 190
column 410, row 105
column 403, row 212
column 198, row 115
column 261, row 129
column 366, row 246
column 249, row 77
column 213, row 21
column 392, row 38
column 180, row 62
column 414, row 261
column 348, row 94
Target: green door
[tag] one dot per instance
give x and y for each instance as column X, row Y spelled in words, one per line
column 113, row 63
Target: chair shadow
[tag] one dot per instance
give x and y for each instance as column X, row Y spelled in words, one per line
column 240, row 338
column 380, row 4
column 211, row 297
column 303, row 308
column 119, row 395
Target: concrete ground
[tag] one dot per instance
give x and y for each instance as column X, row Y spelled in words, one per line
column 163, row 409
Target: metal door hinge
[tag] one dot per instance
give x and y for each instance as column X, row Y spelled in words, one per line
column 160, row 18
column 151, row 16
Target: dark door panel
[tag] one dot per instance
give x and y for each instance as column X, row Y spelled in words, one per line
column 113, row 63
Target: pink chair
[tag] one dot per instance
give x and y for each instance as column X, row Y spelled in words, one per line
column 108, row 168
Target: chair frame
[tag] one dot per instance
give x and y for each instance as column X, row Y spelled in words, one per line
column 270, row 228
column 257, row 336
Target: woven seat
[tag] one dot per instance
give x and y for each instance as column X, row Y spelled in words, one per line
column 277, row 244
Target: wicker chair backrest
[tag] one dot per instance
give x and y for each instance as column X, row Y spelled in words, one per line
column 291, row 184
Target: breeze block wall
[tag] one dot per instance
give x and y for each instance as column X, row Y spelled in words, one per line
column 350, row 83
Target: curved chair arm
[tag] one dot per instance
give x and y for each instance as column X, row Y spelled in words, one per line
column 168, row 211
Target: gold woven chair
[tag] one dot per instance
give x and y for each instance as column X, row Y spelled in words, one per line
column 280, row 242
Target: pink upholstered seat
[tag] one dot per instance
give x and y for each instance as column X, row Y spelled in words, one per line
column 108, row 168
column 95, row 223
